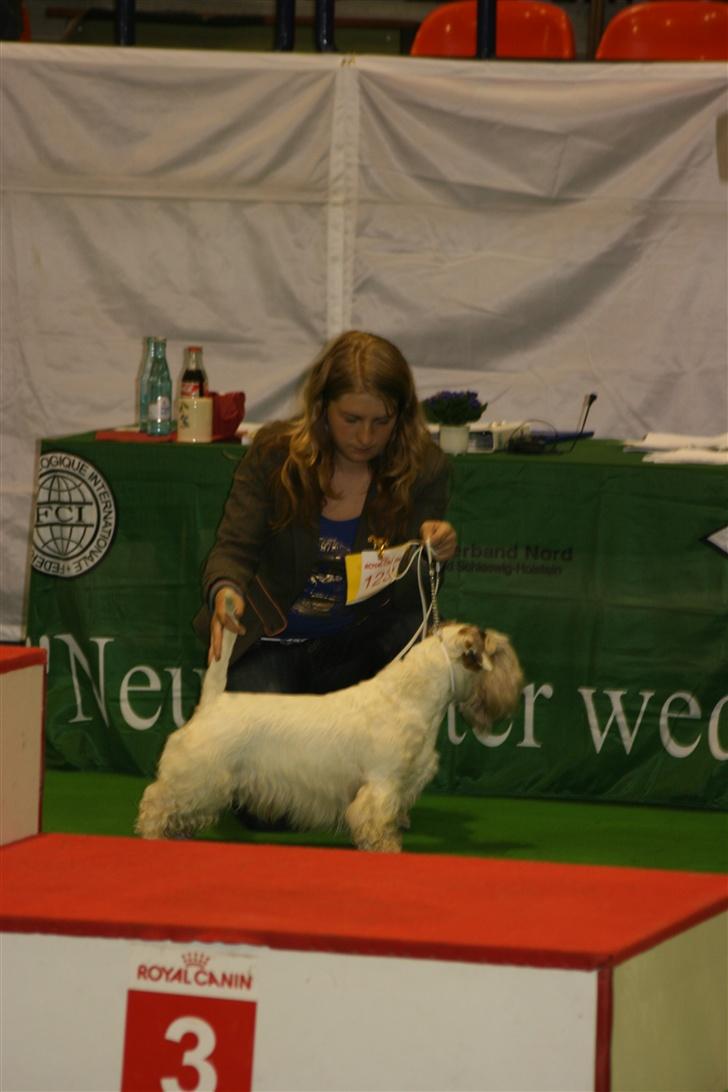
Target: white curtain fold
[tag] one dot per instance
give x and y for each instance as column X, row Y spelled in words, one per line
column 530, row 231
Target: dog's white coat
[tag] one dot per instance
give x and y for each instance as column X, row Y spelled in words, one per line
column 360, row 756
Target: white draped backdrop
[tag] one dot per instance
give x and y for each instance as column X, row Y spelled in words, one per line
column 531, row 231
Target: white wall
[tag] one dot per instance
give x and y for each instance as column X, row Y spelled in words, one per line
column 530, row 231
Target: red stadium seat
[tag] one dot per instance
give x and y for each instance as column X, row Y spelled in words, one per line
column 524, row 29
column 667, row 30
column 25, row 34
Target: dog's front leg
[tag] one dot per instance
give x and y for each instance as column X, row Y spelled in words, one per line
column 372, row 817
column 420, row 774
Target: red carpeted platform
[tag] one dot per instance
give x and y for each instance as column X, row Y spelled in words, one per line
column 340, row 901
column 13, row 657
column 277, row 963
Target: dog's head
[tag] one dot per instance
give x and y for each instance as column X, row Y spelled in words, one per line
column 490, row 678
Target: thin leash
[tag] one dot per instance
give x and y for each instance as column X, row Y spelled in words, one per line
column 433, row 570
column 434, row 573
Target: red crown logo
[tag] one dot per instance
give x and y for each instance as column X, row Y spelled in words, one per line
column 196, row 960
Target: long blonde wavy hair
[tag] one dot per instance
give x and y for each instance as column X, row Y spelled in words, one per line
column 355, row 362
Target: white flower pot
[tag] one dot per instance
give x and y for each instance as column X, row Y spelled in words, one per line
column 454, row 438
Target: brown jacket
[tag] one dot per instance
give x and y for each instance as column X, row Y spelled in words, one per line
column 271, row 567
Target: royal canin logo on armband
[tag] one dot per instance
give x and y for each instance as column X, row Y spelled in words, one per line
column 75, row 516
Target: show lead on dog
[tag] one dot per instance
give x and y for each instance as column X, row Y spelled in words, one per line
column 355, row 469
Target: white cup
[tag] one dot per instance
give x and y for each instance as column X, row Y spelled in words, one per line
column 194, row 420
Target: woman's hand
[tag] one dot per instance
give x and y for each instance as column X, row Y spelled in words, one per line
column 441, row 536
column 223, row 619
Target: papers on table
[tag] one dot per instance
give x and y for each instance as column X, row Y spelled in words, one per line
column 674, row 447
column 688, row 455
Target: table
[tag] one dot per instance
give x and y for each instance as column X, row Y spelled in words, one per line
column 596, row 564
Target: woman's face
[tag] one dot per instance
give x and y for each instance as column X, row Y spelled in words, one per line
column 360, row 426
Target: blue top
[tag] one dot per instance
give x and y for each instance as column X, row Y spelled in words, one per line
column 320, row 610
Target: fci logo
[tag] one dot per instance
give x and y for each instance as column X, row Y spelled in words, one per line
column 75, row 516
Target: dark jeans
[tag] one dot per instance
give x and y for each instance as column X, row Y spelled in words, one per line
column 324, row 663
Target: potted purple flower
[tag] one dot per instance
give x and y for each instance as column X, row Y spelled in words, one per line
column 453, row 411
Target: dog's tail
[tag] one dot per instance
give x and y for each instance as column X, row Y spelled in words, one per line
column 215, row 679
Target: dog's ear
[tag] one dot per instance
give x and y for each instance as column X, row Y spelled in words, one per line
column 493, row 643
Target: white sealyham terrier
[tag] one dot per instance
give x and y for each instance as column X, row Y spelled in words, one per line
column 359, row 756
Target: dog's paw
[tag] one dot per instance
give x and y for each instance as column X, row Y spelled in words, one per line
column 390, row 844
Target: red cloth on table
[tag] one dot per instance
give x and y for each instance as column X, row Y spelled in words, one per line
column 228, row 410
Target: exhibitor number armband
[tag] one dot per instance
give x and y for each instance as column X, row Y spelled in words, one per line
column 373, row 570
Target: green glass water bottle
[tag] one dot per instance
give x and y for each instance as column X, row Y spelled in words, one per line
column 147, row 361
column 159, row 406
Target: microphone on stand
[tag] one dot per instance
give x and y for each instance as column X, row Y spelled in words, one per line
column 589, row 400
column 527, row 440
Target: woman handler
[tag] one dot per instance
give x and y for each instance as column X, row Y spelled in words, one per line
column 355, row 470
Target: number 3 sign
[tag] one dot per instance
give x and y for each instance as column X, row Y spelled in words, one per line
column 185, row 1043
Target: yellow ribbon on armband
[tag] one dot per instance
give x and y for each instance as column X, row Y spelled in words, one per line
column 372, row 570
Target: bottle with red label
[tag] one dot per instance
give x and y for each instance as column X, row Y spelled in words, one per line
column 194, row 377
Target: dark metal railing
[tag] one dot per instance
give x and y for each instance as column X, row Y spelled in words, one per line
column 125, row 17
column 285, row 32
column 324, row 25
column 485, row 29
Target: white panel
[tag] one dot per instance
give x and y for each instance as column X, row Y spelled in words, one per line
column 21, row 759
column 324, row 1022
column 63, row 1004
column 671, row 1014
column 365, row 1024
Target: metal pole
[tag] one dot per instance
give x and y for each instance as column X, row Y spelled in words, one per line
column 285, row 34
column 125, row 22
column 485, row 28
column 596, row 26
column 325, row 26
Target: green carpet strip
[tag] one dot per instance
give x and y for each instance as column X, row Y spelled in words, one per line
column 534, row 830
